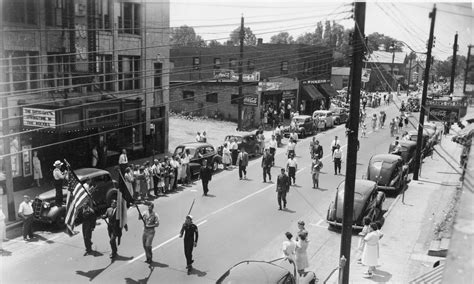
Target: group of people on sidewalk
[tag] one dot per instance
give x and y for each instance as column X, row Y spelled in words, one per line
column 368, row 248
column 295, row 250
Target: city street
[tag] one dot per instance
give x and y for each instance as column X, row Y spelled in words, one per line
column 237, row 221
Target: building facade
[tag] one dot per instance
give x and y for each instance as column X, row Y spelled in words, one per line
column 340, row 77
column 382, row 64
column 79, row 74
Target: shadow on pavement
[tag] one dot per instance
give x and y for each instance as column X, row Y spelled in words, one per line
column 197, row 272
column 288, row 210
column 381, row 276
column 91, row 274
column 122, row 258
column 210, row 195
column 5, row 252
column 158, row 264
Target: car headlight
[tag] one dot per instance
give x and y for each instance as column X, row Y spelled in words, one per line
column 46, row 204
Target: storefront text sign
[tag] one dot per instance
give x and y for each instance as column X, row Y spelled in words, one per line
column 269, row 86
column 101, row 116
column 443, row 114
column 312, row 82
column 38, row 117
column 227, row 74
column 250, row 100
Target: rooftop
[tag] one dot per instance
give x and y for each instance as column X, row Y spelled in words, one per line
column 386, row 57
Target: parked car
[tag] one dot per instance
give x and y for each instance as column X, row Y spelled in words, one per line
column 303, row 126
column 341, row 115
column 368, row 201
column 427, row 142
column 246, row 141
column 327, row 115
column 435, row 130
column 199, row 152
column 103, row 190
column 407, row 153
column 388, row 171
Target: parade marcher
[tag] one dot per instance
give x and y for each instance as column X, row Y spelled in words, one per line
column 316, row 167
column 311, row 146
column 59, row 177
column 334, row 143
column 25, row 211
column 292, row 167
column 337, row 158
column 123, row 161
column 301, row 256
column 272, row 145
column 364, row 130
column 37, row 172
column 234, row 149
column 282, row 188
column 293, row 136
column 113, row 227
column 242, row 162
column 151, row 220
column 191, row 235
column 205, row 173
column 317, row 150
column 95, row 157
column 290, row 148
column 374, row 122
column 288, row 247
column 406, row 121
column 89, row 220
column 267, row 162
column 392, row 127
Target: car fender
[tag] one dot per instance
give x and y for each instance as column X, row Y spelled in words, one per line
column 111, row 194
column 55, row 213
column 217, row 158
column 380, row 198
column 331, row 215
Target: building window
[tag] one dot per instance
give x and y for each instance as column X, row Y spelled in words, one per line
column 211, row 97
column 20, row 11
column 234, row 99
column 284, row 67
column 24, row 70
column 233, row 63
column 307, row 68
column 188, row 95
column 58, row 71
column 129, row 18
column 345, row 82
column 251, row 65
column 102, row 17
column 104, row 80
column 217, row 63
column 196, row 63
column 53, row 12
column 129, row 72
column 157, row 83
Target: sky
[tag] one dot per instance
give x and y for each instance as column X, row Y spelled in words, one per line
column 406, row 21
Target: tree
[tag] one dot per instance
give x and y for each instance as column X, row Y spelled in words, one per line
column 249, row 37
column 283, row 37
column 443, row 68
column 382, row 42
column 318, row 33
column 337, row 34
column 306, row 38
column 327, row 33
column 214, row 43
column 186, row 36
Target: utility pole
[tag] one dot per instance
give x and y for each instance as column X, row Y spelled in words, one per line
column 393, row 63
column 453, row 68
column 426, row 78
column 353, row 136
column 409, row 76
column 241, row 59
column 467, row 67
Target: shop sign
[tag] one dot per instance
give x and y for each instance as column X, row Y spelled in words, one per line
column 38, row 117
column 443, row 114
column 269, row 86
column 313, row 82
column 250, row 100
column 27, row 160
column 227, row 74
column 289, row 94
column 100, row 116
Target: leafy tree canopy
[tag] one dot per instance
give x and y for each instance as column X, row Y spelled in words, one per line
column 249, row 37
column 282, row 37
column 186, row 36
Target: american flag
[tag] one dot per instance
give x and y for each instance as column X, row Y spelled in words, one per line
column 77, row 196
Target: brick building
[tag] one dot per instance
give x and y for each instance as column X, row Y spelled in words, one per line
column 381, row 64
column 83, row 73
column 204, row 80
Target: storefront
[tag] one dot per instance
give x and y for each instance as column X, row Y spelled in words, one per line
column 315, row 95
column 279, row 96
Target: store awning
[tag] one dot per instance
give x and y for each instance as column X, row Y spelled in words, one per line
column 312, row 92
column 433, row 276
column 330, row 92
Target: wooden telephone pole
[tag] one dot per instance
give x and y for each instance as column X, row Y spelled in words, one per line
column 241, row 59
column 453, row 68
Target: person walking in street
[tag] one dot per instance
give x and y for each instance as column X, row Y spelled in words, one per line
column 374, row 122
column 234, row 149
column 113, row 227
column 37, row 172
column 337, row 158
column 25, row 211
column 400, row 123
column 242, row 162
column 272, row 145
column 151, row 220
column 205, row 173
column 370, row 254
column 191, row 235
column 95, row 157
column 316, row 167
column 89, row 219
column 289, row 247
column 267, row 162
column 392, row 126
column 59, row 177
column 123, row 161
column 292, row 167
column 318, row 150
column 301, row 256
column 334, row 143
column 290, row 148
column 282, row 188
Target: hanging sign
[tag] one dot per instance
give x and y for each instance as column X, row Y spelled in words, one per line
column 38, row 117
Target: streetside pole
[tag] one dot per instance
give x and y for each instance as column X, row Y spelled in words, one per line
column 353, row 136
column 467, row 67
column 241, row 59
column 409, row 77
column 453, row 67
column 416, row 169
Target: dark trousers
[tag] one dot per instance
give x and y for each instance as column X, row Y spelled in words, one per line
column 266, row 171
column 292, row 174
column 58, row 185
column 234, row 153
column 242, row 169
column 87, row 228
column 28, row 226
column 113, row 239
column 155, row 185
column 337, row 165
column 281, row 197
column 147, row 239
column 188, row 252
column 205, row 182
column 175, row 183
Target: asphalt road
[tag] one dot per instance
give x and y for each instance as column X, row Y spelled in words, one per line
column 238, row 220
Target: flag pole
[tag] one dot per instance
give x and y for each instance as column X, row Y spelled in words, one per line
column 191, row 208
column 136, row 206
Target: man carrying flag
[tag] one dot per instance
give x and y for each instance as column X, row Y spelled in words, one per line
column 77, row 196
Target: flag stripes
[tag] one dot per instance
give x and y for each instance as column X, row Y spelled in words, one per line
column 76, row 198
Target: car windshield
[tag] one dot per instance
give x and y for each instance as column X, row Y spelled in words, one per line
column 298, row 120
column 237, row 138
column 180, row 150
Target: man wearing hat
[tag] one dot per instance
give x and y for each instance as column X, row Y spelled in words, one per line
column 59, row 177
column 25, row 212
column 190, row 231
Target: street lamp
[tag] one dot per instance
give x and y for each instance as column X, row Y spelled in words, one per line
column 392, row 49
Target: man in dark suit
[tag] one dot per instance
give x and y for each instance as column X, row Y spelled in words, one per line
column 267, row 161
column 205, row 173
column 283, row 186
column 242, row 162
column 89, row 219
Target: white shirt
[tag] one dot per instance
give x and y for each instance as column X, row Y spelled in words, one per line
column 335, row 142
column 291, row 163
column 278, row 131
column 337, row 154
column 123, row 159
column 25, row 208
column 57, row 174
column 291, row 146
column 185, row 159
column 234, row 146
column 198, row 138
column 272, row 143
column 289, row 249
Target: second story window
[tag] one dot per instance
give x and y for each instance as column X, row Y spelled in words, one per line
column 24, row 70
column 20, row 11
column 53, row 12
column 104, row 79
column 196, row 63
column 129, row 72
column 217, row 63
column 284, row 67
column 188, row 95
column 251, row 65
column 129, row 18
column 102, row 17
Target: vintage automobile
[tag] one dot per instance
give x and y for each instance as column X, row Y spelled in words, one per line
column 303, row 125
column 199, row 152
column 341, row 115
column 413, row 104
column 407, row 152
column 368, row 201
column 277, row 271
column 388, row 171
column 326, row 115
column 427, row 142
column 103, row 190
column 247, row 141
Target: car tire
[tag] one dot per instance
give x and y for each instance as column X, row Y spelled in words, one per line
column 215, row 165
column 256, row 151
column 59, row 221
column 337, row 122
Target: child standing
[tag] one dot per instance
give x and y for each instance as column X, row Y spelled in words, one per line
column 366, row 221
column 364, row 127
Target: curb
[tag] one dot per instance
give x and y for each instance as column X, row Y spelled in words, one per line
column 392, row 206
column 13, row 225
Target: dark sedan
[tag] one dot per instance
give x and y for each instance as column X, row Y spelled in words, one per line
column 248, row 142
column 388, row 171
column 199, row 152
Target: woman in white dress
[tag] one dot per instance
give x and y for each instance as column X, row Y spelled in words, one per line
column 301, row 257
column 370, row 254
column 37, row 173
column 226, row 157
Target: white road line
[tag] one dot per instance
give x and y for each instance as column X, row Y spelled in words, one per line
column 163, row 243
column 319, row 224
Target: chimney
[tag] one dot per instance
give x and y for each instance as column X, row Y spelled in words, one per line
column 259, row 41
